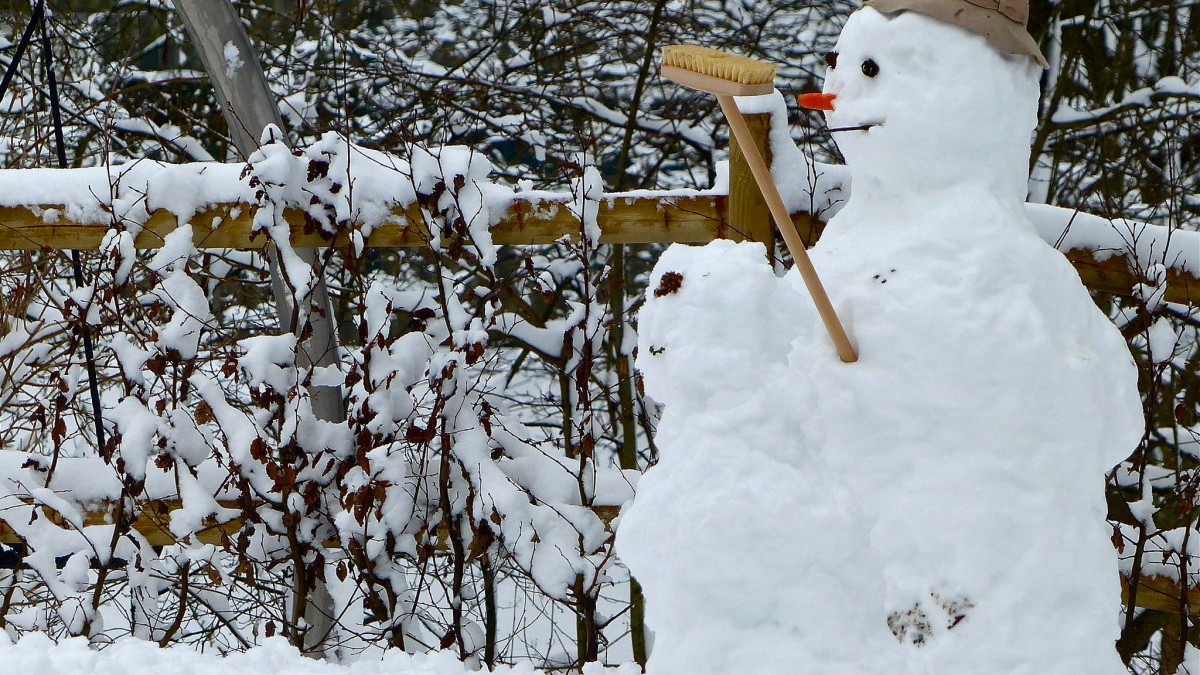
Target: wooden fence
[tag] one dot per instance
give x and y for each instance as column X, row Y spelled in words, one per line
column 624, row 219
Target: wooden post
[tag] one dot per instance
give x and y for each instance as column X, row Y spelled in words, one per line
column 1172, row 646
column 749, row 217
column 761, row 168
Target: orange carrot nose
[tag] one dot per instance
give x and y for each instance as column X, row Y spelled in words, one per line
column 816, row 101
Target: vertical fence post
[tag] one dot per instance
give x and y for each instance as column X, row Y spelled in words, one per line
column 749, row 218
column 1172, row 645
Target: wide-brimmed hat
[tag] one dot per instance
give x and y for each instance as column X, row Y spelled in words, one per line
column 1002, row 22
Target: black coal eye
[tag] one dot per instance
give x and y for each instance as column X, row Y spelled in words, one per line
column 831, row 59
column 870, row 68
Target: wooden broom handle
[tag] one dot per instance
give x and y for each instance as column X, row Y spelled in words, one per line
column 783, row 219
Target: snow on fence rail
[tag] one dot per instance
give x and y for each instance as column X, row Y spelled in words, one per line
column 161, row 519
column 1095, row 245
column 138, row 205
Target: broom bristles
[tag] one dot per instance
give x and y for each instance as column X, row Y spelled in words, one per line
column 719, row 64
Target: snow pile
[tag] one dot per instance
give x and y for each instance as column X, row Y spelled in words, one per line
column 37, row 653
column 937, row 503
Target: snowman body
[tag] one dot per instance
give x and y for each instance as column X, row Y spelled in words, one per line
column 938, row 506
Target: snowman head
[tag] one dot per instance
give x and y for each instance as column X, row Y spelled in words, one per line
column 941, row 105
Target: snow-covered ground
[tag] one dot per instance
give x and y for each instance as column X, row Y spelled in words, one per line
column 37, row 654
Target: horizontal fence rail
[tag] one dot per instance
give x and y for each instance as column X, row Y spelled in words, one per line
column 1159, row 593
column 529, row 221
column 153, row 519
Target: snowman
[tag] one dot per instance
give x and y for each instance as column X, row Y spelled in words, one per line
column 938, row 506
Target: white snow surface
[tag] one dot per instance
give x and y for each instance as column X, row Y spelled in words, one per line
column 350, row 183
column 938, row 506
column 233, row 59
column 37, row 653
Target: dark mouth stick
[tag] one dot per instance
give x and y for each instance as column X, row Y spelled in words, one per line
column 861, row 127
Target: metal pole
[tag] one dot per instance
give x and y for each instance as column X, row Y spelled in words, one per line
column 249, row 106
column 60, row 145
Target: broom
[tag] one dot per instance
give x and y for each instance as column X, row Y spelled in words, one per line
column 726, row 76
